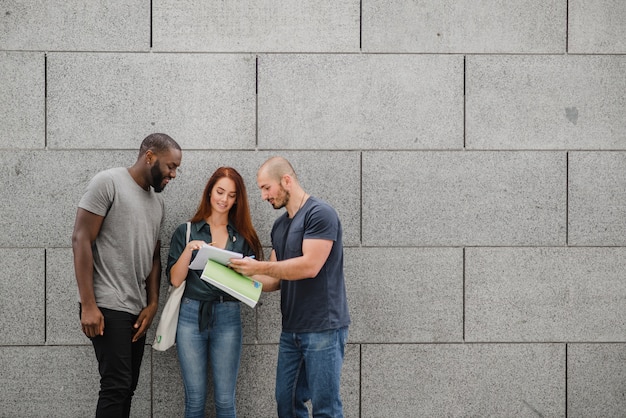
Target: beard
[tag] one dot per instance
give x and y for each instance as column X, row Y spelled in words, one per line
column 157, row 177
column 284, row 199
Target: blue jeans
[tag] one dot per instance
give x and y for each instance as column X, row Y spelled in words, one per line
column 309, row 368
column 220, row 344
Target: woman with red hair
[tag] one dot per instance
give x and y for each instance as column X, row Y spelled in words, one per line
column 209, row 322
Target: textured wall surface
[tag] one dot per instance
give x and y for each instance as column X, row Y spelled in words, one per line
column 475, row 152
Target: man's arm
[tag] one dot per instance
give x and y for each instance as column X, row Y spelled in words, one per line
column 86, row 229
column 153, row 285
column 270, row 284
column 315, row 252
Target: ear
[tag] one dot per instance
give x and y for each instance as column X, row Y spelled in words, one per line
column 150, row 156
column 286, row 181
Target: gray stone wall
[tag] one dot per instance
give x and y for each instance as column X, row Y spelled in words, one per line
column 475, row 151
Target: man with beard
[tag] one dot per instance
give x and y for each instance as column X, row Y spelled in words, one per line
column 118, row 265
column 306, row 264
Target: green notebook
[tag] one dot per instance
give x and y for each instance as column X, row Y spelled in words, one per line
column 242, row 287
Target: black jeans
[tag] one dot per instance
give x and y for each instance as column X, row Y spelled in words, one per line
column 119, row 361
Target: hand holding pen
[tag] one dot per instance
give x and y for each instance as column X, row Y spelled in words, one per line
column 245, row 265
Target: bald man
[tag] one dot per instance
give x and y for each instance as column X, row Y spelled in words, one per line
column 306, row 265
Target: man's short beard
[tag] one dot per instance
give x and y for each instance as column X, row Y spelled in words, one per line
column 287, row 195
column 157, row 177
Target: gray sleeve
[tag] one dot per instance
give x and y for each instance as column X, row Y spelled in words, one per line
column 99, row 194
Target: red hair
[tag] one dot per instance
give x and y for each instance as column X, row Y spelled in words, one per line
column 238, row 215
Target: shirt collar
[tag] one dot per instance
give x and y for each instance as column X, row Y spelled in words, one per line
column 203, row 222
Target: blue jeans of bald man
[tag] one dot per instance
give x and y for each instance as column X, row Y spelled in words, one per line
column 220, row 344
column 309, row 368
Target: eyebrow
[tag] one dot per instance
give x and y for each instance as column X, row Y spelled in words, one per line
column 224, row 190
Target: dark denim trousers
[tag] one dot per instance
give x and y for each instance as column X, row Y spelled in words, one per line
column 119, row 361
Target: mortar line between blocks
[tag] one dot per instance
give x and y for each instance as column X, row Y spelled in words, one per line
column 360, row 380
column 567, row 27
column 256, row 103
column 361, row 26
column 463, row 283
column 567, row 199
column 464, row 101
column 361, row 198
column 151, row 23
column 566, row 382
column 45, row 100
column 45, row 293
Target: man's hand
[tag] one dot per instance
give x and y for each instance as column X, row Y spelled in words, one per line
column 92, row 321
column 144, row 320
column 247, row 266
column 255, row 270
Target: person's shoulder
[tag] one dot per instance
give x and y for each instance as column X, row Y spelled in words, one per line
column 113, row 172
column 316, row 201
column 181, row 229
column 110, row 174
column 179, row 235
column 183, row 226
column 100, row 192
column 321, row 206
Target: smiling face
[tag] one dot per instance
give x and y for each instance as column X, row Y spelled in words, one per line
column 164, row 168
column 223, row 195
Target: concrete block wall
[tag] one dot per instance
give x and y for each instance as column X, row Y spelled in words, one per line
column 475, row 152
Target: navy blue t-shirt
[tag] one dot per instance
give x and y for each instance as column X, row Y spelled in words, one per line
column 318, row 303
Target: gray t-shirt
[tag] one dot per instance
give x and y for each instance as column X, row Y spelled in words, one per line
column 123, row 250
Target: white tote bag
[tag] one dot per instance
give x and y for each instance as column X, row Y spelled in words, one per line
column 166, row 330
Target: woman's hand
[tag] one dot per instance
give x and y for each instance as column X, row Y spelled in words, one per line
column 194, row 245
column 178, row 272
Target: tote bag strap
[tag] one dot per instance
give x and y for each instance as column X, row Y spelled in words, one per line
column 188, row 231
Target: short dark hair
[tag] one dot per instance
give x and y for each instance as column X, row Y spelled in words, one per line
column 157, row 143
